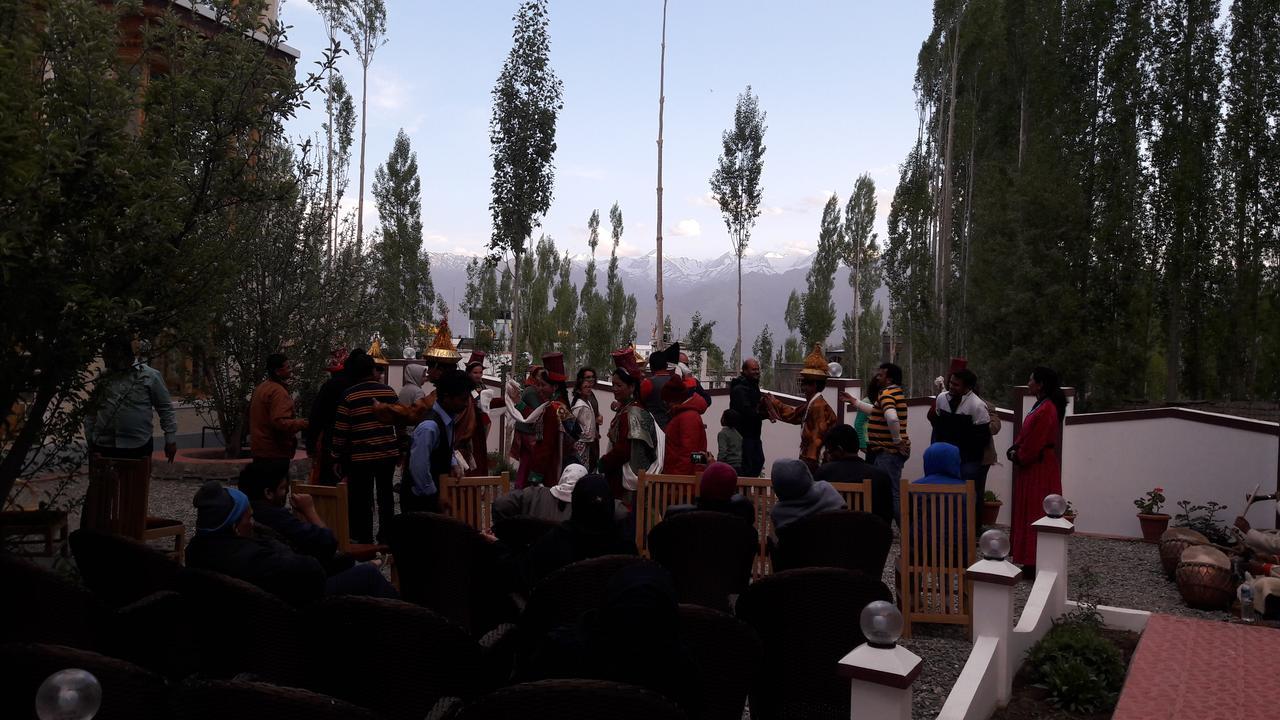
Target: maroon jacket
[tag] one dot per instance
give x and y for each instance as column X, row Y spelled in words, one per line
column 685, row 435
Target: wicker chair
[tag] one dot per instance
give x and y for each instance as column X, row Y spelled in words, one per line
column 390, row 656
column 709, row 555
column 447, row 566
column 807, row 620
column 728, row 656
column 39, row 605
column 571, row 700
column 842, row 538
column 521, row 532
column 128, row 691
column 565, row 594
column 222, row 699
column 120, row 570
column 156, row 633
column 241, row 628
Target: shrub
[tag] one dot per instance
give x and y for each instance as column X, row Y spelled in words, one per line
column 990, row 496
column 1082, row 670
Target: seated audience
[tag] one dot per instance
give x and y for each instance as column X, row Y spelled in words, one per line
column 547, row 503
column 291, row 517
column 225, row 543
column 717, row 492
column 633, row 638
column 798, row 494
column 590, row 531
column 844, row 465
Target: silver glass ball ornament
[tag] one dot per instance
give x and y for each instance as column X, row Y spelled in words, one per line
column 881, row 624
column 71, row 694
column 994, row 544
column 1055, row 506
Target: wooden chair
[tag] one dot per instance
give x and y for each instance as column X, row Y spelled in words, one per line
column 656, row 493
column 117, row 500
column 470, row 499
column 937, row 546
column 47, row 527
column 331, row 506
column 857, row 496
column 760, row 492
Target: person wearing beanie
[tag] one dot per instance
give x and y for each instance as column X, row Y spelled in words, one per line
column 547, row 503
column 798, row 494
column 226, row 543
column 718, row 492
column 686, row 435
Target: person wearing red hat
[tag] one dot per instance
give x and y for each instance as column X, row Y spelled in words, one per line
column 539, row 446
column 633, row 439
column 686, row 435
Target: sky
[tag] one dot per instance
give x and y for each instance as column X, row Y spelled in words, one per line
column 835, row 79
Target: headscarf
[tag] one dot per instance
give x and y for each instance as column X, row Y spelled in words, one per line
column 218, row 508
column 413, row 372
column 798, row 495
column 569, row 477
column 719, row 483
column 941, row 464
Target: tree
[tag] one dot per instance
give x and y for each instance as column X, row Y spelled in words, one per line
column 818, row 310
column 341, row 127
column 564, row 312
column 522, row 132
column 699, row 338
column 594, row 329
column 859, row 253
column 908, row 264
column 84, row 261
column 482, row 304
column 622, row 307
column 404, row 268
column 762, row 348
column 365, row 22
column 736, row 184
column 331, row 15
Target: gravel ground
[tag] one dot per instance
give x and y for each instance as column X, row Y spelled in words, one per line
column 1128, row 575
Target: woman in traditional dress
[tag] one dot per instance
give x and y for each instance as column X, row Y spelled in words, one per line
column 632, row 434
column 586, row 409
column 477, row 445
column 1037, row 469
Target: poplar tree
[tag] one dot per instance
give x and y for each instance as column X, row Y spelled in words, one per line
column 818, row 310
column 403, row 280
column 365, row 22
column 622, row 307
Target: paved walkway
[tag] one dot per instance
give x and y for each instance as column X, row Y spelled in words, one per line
column 1186, row 668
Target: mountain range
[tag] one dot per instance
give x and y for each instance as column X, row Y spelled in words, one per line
column 689, row 285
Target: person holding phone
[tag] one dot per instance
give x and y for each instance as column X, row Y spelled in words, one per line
column 686, row 435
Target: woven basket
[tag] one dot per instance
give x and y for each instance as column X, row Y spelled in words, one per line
column 1173, row 542
column 1204, row 578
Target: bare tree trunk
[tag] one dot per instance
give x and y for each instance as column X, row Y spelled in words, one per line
column 328, row 165
column 945, row 220
column 515, row 310
column 662, row 77
column 967, row 248
column 364, row 105
column 737, row 348
column 33, row 425
column 857, row 314
column 1022, row 125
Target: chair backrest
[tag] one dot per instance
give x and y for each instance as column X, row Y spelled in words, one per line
column 840, row 538
column 390, row 656
column 128, row 691
column 470, row 499
column 521, row 532
column 445, row 565
column 857, row 496
column 760, row 492
column 562, row 596
column 120, row 570
column 39, row 605
column 656, row 493
column 709, row 555
column 571, row 700
column 807, row 620
column 937, row 546
column 221, row 699
column 241, row 627
column 117, row 496
column 331, row 506
column 728, row 656
column 156, row 633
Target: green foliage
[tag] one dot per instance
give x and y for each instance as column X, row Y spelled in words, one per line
column 594, row 331
column 113, row 225
column 699, row 338
column 818, row 311
column 990, row 496
column 1082, row 670
column 622, row 307
column 862, row 341
column 762, row 348
column 403, row 281
column 1204, row 520
column 484, row 304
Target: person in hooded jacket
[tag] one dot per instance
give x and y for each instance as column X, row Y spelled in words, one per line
column 591, row 531
column 686, row 434
column 799, row 495
column 717, row 492
column 941, row 467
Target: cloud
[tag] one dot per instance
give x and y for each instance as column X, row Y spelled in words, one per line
column 686, row 228
column 772, row 210
column 626, row 249
column 435, row 239
column 704, row 200
column 387, row 93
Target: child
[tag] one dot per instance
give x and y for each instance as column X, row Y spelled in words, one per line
column 729, row 441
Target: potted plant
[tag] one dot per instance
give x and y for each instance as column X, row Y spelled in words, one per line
column 990, row 507
column 1153, row 522
column 1070, row 514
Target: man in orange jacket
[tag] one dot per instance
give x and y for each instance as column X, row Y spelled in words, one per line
column 273, row 430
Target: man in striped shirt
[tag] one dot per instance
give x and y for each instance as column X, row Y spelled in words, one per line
column 365, row 450
column 888, row 445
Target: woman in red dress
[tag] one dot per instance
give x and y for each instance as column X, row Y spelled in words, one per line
column 1037, row 469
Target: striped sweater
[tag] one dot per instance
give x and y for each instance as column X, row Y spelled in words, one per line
column 879, row 439
column 357, row 435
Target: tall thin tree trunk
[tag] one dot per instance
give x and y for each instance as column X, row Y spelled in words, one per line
column 364, row 106
column 328, row 185
column 737, row 351
column 945, row 221
column 1022, row 124
column 662, row 77
column 515, row 309
column 857, row 313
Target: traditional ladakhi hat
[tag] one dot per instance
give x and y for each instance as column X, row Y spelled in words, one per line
column 477, row 357
column 815, row 364
column 554, row 364
column 375, row 352
column 442, row 351
column 337, row 360
column 957, row 364
column 625, row 361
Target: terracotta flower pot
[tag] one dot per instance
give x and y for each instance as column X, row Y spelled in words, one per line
column 990, row 511
column 1153, row 526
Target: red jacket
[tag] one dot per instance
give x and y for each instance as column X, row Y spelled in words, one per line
column 685, row 435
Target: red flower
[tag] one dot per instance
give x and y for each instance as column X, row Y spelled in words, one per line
column 1159, row 490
